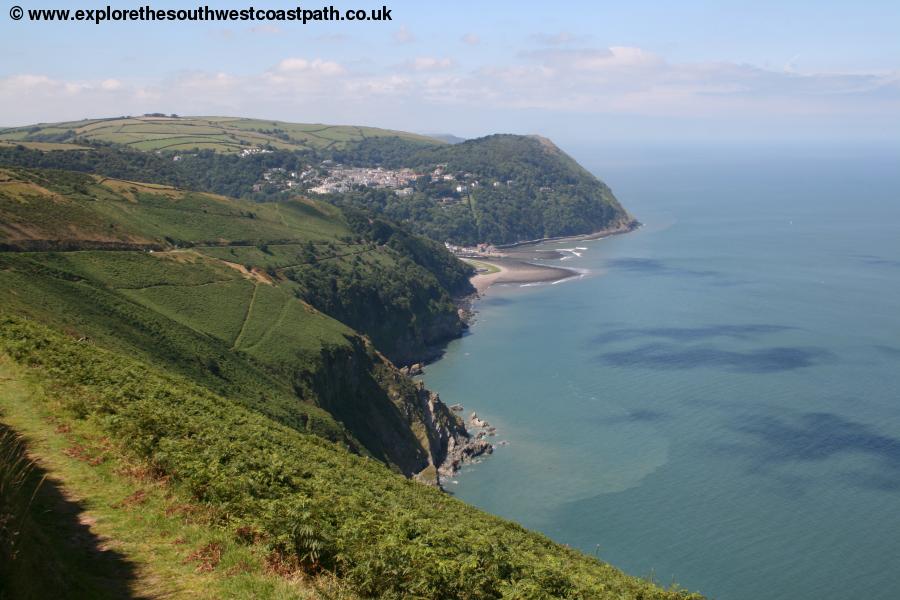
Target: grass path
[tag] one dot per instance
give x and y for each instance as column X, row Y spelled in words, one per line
column 240, row 334
column 106, row 528
column 280, row 216
column 178, row 285
column 323, row 259
column 273, row 325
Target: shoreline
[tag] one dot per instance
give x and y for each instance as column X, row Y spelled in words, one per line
column 602, row 233
column 511, row 268
column 515, row 270
column 515, row 267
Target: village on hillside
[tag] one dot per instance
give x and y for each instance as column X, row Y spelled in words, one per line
column 330, row 177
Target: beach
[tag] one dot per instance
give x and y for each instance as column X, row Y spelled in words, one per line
column 516, row 271
column 514, row 265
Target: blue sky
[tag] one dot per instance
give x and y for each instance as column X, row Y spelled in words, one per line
column 577, row 71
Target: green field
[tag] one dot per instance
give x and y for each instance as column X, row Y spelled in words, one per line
column 482, row 267
column 221, row 134
column 128, row 535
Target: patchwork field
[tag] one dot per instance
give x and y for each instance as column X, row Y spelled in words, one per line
column 180, row 134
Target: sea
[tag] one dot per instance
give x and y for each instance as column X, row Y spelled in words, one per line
column 715, row 401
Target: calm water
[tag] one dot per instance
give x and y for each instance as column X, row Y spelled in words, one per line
column 718, row 401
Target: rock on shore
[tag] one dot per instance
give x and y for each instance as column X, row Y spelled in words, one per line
column 454, row 445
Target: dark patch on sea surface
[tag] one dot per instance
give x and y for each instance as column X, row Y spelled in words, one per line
column 655, row 267
column 878, row 261
column 892, row 351
column 689, row 334
column 819, row 436
column 637, row 416
column 672, row 356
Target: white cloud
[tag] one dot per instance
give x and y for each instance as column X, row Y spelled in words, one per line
column 616, row 81
column 25, row 82
column 404, row 35
column 110, row 85
column 325, row 67
column 429, row 63
column 202, row 82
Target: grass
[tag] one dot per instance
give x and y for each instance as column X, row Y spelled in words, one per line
column 190, row 309
column 373, row 288
column 103, row 526
column 482, row 267
column 221, row 134
column 307, row 502
column 45, row 146
column 138, row 270
column 54, row 290
column 217, row 309
column 36, row 206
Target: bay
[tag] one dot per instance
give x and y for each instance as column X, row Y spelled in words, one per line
column 716, row 402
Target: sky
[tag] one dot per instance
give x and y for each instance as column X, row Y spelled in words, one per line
column 579, row 72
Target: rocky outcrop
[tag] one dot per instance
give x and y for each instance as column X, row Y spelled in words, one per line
column 396, row 419
column 376, row 404
column 452, row 444
column 413, row 370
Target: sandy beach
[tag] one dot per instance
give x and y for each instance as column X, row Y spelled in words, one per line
column 514, row 265
column 511, row 270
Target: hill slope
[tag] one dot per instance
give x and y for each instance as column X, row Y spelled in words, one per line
column 500, row 188
column 408, row 281
column 220, row 134
column 219, row 301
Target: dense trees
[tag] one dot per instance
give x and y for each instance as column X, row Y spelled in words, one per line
column 514, row 188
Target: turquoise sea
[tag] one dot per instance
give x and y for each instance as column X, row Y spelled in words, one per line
column 716, row 401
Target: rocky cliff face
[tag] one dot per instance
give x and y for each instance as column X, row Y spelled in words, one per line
column 451, row 443
column 426, row 341
column 397, row 420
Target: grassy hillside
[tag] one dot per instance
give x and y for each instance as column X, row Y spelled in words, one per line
column 231, row 313
column 286, row 243
column 220, row 134
column 305, row 504
column 81, row 520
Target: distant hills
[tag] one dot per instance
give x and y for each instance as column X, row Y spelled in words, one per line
column 446, row 137
column 219, row 134
column 498, row 189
